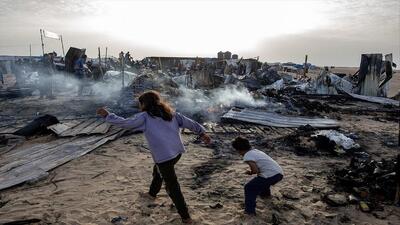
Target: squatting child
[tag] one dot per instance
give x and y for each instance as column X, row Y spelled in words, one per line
column 268, row 173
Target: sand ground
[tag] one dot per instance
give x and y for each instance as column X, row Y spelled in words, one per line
column 106, row 183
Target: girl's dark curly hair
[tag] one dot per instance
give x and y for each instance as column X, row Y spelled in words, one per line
column 152, row 104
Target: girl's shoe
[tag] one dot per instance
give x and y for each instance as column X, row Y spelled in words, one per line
column 187, row 221
column 146, row 195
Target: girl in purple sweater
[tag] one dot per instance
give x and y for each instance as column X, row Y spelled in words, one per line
column 161, row 127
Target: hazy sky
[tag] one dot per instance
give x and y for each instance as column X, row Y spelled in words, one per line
column 331, row 32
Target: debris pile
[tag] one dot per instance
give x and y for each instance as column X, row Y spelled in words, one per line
column 368, row 183
column 307, row 140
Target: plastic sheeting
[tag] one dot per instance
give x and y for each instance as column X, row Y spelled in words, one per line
column 339, row 138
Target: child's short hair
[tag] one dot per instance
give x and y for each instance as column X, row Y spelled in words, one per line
column 241, row 144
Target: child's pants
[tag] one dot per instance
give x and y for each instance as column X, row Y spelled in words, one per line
column 166, row 172
column 258, row 186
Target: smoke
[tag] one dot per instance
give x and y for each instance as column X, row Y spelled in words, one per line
column 112, row 84
column 236, row 96
column 67, row 83
column 209, row 103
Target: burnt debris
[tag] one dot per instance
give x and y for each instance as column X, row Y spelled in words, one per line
column 368, row 182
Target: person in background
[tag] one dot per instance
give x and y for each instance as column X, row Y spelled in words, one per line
column 46, row 77
column 161, row 127
column 79, row 67
column 121, row 59
column 268, row 173
column 128, row 58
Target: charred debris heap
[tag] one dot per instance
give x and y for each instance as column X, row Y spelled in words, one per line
column 303, row 99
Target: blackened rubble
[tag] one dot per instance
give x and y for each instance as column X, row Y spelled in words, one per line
column 368, row 181
column 206, row 89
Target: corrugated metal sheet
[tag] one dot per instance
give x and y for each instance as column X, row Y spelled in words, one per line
column 380, row 100
column 89, row 126
column 66, row 128
column 25, row 164
column 277, row 120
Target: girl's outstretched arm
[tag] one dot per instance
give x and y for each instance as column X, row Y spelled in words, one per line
column 136, row 122
column 185, row 122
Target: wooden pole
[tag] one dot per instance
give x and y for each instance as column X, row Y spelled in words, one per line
column 62, row 45
column 30, row 53
column 123, row 71
column 41, row 38
column 159, row 61
column 305, row 66
column 105, row 59
column 397, row 180
column 101, row 70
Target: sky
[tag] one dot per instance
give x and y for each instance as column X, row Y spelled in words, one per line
column 330, row 32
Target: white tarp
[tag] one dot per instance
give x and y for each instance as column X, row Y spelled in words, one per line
column 339, row 138
column 53, row 35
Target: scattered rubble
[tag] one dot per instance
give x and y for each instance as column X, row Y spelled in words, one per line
column 368, row 182
column 336, row 199
column 37, row 126
column 277, row 105
column 307, row 140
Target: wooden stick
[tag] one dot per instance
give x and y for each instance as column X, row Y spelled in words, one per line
column 397, row 178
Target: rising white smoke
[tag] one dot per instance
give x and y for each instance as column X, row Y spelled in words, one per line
column 68, row 84
column 112, row 84
column 235, row 96
column 209, row 103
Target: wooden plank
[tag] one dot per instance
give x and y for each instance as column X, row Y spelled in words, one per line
column 218, row 129
column 260, row 130
column 208, row 127
column 243, row 129
column 254, row 130
column 229, row 129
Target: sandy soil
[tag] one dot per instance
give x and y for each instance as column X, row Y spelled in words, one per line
column 106, row 183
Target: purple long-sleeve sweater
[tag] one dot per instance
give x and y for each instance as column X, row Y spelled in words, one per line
column 163, row 137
